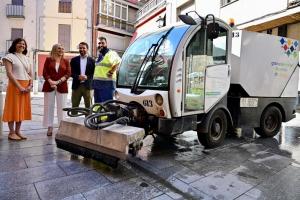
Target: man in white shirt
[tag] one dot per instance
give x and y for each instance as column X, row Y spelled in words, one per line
column 82, row 70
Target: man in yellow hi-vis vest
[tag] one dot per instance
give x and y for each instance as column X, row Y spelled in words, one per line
column 105, row 73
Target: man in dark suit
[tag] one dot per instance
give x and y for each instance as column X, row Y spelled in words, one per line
column 82, row 70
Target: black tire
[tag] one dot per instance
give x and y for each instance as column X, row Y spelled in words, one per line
column 270, row 122
column 216, row 130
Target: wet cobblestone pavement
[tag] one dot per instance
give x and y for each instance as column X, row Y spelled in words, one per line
column 243, row 168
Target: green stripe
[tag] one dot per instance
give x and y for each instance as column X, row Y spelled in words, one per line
column 212, row 93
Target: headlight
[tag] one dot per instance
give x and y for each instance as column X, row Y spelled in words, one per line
column 159, row 100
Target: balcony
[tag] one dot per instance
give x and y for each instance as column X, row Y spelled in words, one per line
column 148, row 7
column 8, row 44
column 115, row 25
column 15, row 11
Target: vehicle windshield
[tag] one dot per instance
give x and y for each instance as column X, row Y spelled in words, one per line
column 156, row 68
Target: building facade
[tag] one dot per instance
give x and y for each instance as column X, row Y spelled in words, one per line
column 64, row 21
column 14, row 18
column 114, row 20
column 281, row 18
column 150, row 15
column 158, row 13
column 17, row 19
column 43, row 23
column 68, row 22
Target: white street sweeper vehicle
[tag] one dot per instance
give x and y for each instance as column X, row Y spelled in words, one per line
column 206, row 77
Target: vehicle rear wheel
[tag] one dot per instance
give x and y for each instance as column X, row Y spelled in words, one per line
column 270, row 122
column 216, row 130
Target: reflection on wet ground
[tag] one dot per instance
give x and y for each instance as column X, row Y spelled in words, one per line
column 248, row 167
column 286, row 143
column 289, row 141
column 36, row 169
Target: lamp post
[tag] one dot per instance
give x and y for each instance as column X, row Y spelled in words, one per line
column 160, row 21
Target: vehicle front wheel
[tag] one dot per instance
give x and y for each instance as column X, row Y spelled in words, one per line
column 216, row 130
column 270, row 122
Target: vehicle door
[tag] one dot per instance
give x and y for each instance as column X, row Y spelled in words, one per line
column 207, row 73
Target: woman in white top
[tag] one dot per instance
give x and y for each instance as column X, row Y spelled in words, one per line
column 17, row 101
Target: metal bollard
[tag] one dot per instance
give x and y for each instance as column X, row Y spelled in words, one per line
column 1, row 107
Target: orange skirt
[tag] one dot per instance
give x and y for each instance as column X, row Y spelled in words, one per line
column 17, row 105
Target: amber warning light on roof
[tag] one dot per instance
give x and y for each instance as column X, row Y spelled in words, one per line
column 231, row 22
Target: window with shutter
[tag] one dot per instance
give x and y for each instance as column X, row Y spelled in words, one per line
column 115, row 14
column 64, row 35
column 65, row 6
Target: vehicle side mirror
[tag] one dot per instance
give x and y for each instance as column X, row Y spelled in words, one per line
column 213, row 30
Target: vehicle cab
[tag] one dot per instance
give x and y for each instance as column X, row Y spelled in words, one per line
column 176, row 73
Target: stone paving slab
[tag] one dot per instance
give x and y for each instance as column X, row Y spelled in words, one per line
column 26, row 192
column 272, row 161
column 75, row 197
column 162, row 197
column 187, row 175
column 116, row 175
column 70, row 185
column 211, row 165
column 29, row 175
column 245, row 197
column 12, row 164
column 26, row 152
column 71, row 167
column 167, row 176
column 47, row 159
column 234, row 155
column 222, row 186
column 188, row 190
column 174, row 194
column 283, row 185
column 133, row 189
column 252, row 173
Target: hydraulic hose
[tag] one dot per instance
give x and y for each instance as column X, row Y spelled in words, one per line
column 76, row 112
column 91, row 121
column 98, row 111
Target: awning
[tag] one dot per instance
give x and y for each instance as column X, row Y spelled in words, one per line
column 272, row 20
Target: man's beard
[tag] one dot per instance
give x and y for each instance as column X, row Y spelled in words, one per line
column 103, row 50
column 82, row 53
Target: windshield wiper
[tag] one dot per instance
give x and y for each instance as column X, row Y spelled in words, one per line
column 160, row 42
column 139, row 74
column 154, row 53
